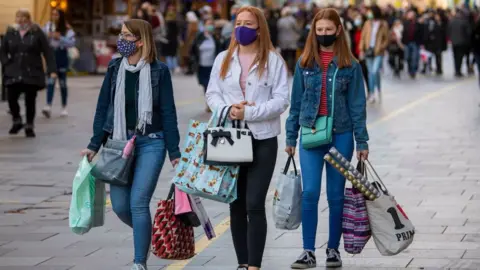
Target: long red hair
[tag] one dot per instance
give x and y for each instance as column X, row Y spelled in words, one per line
column 311, row 52
column 264, row 43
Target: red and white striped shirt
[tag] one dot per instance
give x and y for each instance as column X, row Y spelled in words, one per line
column 326, row 58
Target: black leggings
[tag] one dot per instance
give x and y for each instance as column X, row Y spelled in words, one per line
column 248, row 220
column 30, row 92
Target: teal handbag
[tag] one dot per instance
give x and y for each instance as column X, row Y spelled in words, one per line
column 321, row 133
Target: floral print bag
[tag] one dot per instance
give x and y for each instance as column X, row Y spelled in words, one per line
column 193, row 176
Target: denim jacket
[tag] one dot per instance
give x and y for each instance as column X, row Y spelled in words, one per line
column 164, row 115
column 350, row 102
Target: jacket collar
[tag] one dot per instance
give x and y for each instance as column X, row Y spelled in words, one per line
column 155, row 65
column 316, row 67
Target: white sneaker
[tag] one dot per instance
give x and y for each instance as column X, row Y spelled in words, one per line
column 178, row 70
column 64, row 113
column 47, row 111
column 371, row 99
column 137, row 266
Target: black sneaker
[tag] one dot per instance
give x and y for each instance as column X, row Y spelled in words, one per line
column 29, row 131
column 242, row 267
column 333, row 258
column 305, row 261
column 16, row 127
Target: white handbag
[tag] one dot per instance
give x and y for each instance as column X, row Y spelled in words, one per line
column 392, row 231
column 227, row 145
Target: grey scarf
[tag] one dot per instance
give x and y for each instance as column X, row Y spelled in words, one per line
column 144, row 104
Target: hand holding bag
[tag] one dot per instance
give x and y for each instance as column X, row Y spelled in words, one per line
column 321, row 133
column 228, row 145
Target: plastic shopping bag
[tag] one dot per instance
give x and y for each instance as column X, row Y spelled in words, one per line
column 84, row 213
column 287, row 200
column 198, row 208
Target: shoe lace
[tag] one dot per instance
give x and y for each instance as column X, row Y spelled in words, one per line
column 332, row 253
column 305, row 256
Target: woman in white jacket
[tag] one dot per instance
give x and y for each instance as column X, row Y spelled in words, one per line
column 252, row 78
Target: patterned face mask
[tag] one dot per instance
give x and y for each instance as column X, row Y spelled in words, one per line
column 126, row 47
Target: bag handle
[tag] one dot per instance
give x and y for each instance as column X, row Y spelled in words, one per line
column 221, row 119
column 170, row 192
column 290, row 159
column 378, row 184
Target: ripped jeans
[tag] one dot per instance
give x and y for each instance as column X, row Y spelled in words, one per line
column 62, row 79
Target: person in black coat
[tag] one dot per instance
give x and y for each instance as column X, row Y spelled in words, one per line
column 21, row 54
column 476, row 45
column 435, row 39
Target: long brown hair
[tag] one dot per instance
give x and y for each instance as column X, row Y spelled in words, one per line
column 143, row 30
column 264, row 43
column 340, row 48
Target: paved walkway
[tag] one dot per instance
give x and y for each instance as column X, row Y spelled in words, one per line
column 424, row 143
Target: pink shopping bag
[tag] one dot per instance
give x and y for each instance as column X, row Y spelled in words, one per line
column 182, row 203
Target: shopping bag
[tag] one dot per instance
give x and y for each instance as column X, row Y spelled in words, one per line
column 182, row 203
column 392, row 231
column 287, row 199
column 355, row 225
column 171, row 238
column 198, row 208
column 192, row 176
column 87, row 205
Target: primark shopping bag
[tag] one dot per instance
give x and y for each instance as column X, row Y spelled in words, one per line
column 287, row 200
column 392, row 231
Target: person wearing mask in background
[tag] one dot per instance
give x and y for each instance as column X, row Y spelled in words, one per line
column 23, row 47
column 142, row 105
column 205, row 48
column 326, row 72
column 227, row 29
column 61, row 37
column 395, row 48
column 460, row 34
column 251, row 78
column 190, row 36
column 373, row 44
column 412, row 39
column 169, row 50
column 289, row 32
column 358, row 23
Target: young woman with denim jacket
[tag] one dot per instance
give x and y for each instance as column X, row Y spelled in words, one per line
column 326, row 72
column 252, row 78
column 137, row 98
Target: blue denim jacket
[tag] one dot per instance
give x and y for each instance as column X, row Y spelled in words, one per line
column 164, row 115
column 350, row 102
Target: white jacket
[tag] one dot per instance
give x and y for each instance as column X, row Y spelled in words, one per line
column 269, row 93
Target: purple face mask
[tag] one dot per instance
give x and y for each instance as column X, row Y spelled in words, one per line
column 245, row 36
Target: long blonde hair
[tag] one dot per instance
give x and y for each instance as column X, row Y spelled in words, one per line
column 143, row 30
column 264, row 43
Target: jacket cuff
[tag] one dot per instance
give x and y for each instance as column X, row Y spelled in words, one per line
column 292, row 143
column 94, row 147
column 248, row 113
column 174, row 155
column 362, row 146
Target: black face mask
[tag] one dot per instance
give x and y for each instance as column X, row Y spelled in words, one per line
column 326, row 40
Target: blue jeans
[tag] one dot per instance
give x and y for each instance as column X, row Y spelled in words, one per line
column 132, row 203
column 374, row 64
column 311, row 161
column 171, row 62
column 412, row 56
column 62, row 79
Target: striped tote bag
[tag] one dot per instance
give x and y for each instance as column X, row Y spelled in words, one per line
column 355, row 225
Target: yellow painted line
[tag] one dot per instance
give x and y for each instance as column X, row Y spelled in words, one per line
column 202, row 244
column 221, row 228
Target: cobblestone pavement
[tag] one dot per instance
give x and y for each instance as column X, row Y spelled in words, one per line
column 424, row 143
